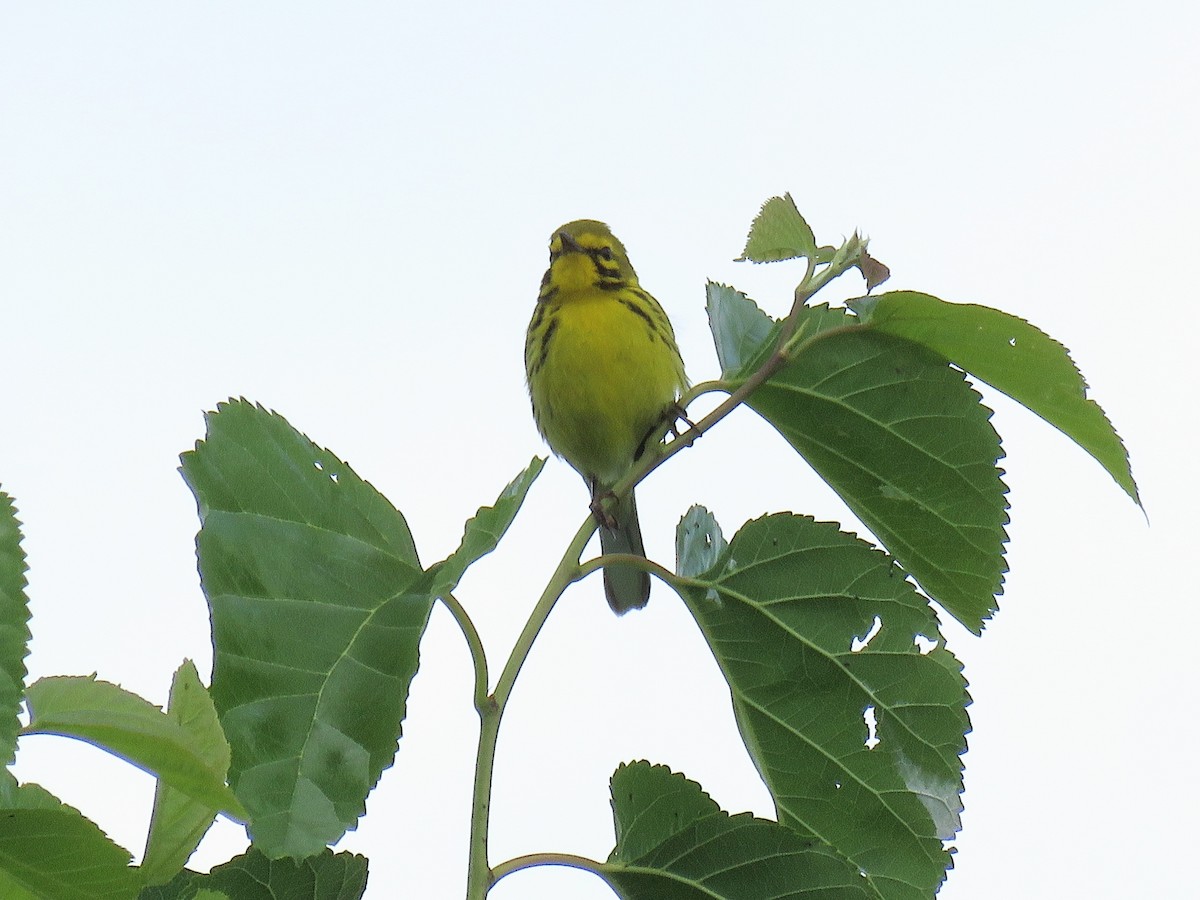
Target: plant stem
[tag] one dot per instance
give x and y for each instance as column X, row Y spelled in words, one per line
column 546, row 859
column 478, row 657
column 480, row 877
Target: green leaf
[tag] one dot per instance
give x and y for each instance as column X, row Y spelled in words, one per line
column 908, row 445
column 742, row 332
column 49, row 850
column 130, row 727
column 14, row 628
column 253, row 876
column 818, row 634
column 179, row 822
column 675, row 843
column 483, row 532
column 1012, row 356
column 318, row 605
column 779, row 232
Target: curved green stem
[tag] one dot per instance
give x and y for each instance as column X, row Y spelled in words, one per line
column 480, row 876
column 546, row 859
column 474, row 644
column 627, row 559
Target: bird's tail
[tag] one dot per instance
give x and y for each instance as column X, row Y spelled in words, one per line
column 625, row 587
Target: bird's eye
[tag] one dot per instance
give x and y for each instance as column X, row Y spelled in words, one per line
column 606, row 252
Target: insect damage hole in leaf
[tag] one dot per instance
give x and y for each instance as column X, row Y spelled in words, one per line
column 858, row 644
column 872, row 740
column 333, row 476
column 924, row 644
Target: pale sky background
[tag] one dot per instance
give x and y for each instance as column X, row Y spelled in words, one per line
column 341, row 211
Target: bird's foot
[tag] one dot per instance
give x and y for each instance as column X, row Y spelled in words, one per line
column 602, row 516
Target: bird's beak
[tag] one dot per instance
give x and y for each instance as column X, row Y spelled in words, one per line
column 569, row 243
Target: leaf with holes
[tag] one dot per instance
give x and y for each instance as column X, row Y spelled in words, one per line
column 1013, row 357
column 318, row 604
column 856, row 723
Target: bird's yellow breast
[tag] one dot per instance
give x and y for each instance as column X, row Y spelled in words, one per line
column 605, row 377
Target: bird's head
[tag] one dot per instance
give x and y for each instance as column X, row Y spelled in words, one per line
column 585, row 254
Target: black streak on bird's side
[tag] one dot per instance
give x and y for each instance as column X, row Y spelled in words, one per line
column 551, row 327
column 634, row 308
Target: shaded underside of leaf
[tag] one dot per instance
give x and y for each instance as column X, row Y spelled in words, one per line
column 14, row 627
column 675, row 843
column 908, row 445
column 741, row 331
column 1012, row 356
column 317, row 606
column 817, row 634
column 745, row 336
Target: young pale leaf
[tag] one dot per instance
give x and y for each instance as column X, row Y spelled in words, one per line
column 675, row 843
column 318, row 605
column 908, row 445
column 124, row 724
column 484, row 530
column 178, row 822
column 779, row 232
column 48, row 849
column 1012, row 356
column 252, row 876
column 14, row 628
column 699, row 542
column 856, row 725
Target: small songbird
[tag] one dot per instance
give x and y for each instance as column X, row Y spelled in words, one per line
column 604, row 374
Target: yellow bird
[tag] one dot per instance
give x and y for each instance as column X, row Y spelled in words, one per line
column 604, row 374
